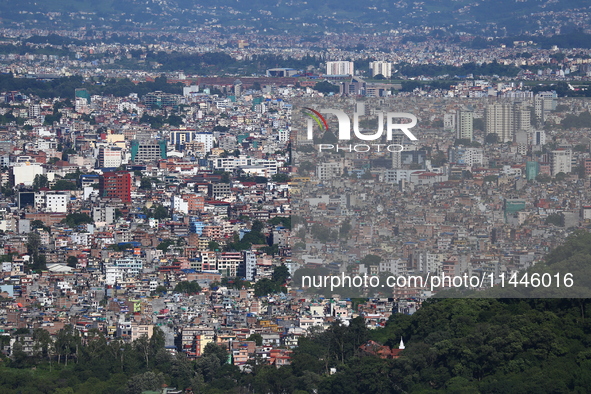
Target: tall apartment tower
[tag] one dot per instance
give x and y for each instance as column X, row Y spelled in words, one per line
column 397, row 156
column 538, row 138
column 560, row 161
column 464, row 125
column 498, row 119
column 522, row 118
column 384, row 68
column 509, row 122
column 340, row 68
column 544, row 102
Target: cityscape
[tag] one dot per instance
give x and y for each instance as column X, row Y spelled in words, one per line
column 189, row 194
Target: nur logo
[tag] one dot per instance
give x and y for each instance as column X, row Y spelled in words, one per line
column 345, row 124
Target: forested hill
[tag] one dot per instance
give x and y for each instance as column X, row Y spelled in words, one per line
column 488, row 17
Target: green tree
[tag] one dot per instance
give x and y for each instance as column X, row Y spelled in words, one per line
column 160, row 289
column 165, row 244
column 438, row 159
column 33, row 245
column 72, row 261
column 280, row 274
column 40, row 181
column 491, row 138
column 257, row 338
column 213, row 246
column 214, row 357
column 371, row 259
column 266, row 286
column 160, row 212
column 147, row 381
column 556, row 219
column 187, row 287
column 280, row 178
column 62, row 184
column 76, row 219
column 326, row 87
column 146, row 184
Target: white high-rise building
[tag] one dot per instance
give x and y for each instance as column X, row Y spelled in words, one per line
column 464, row 125
column 283, row 135
column 522, row 118
column 25, row 173
column 340, row 68
column 56, row 201
column 190, row 90
column 544, row 102
column 384, row 68
column 498, row 119
column 560, row 161
column 396, row 156
column 120, row 269
column 538, row 138
column 206, row 139
column 449, row 121
column 250, row 264
column 181, row 136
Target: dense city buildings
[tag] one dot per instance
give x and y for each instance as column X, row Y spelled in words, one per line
column 164, row 193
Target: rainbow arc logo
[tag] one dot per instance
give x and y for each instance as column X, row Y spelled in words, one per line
column 344, row 132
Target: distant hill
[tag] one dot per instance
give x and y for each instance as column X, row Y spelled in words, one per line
column 494, row 18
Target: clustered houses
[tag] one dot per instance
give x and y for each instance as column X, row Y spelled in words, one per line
column 265, row 328
column 84, row 58
column 450, row 203
column 97, row 217
column 105, row 208
column 102, row 220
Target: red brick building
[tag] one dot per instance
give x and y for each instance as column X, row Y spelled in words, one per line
column 116, row 185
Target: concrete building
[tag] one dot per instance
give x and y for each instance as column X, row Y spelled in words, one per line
column 250, row 265
column 498, row 119
column 109, row 157
column 464, row 125
column 380, row 67
column 328, row 170
column 340, row 68
column 544, row 102
column 116, row 185
column 52, row 201
column 24, row 173
column 538, row 138
column 560, row 161
column 103, row 214
column 532, row 169
column 145, row 152
column 118, row 270
column 179, row 137
column 467, row 156
column 206, row 139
